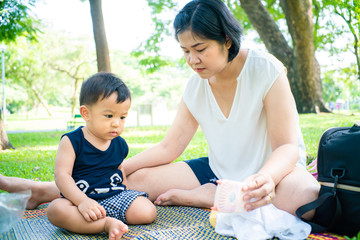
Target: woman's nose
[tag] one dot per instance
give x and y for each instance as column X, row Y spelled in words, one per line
column 193, row 58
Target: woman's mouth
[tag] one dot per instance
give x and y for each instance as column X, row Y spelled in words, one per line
column 199, row 69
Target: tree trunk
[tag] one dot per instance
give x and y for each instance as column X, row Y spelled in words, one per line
column 299, row 20
column 303, row 73
column 4, row 141
column 102, row 49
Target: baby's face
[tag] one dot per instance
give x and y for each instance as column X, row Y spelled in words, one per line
column 107, row 117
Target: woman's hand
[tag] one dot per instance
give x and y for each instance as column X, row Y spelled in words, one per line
column 91, row 210
column 259, row 191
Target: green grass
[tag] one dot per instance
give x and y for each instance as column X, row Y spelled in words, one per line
column 35, row 152
column 33, row 157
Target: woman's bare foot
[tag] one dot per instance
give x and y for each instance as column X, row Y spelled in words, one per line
column 202, row 196
column 172, row 197
column 115, row 228
column 41, row 192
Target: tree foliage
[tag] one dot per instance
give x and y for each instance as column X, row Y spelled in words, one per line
column 148, row 52
column 342, row 18
column 54, row 65
column 25, row 68
column 16, row 19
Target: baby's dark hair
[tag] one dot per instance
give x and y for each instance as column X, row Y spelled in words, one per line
column 210, row 19
column 100, row 86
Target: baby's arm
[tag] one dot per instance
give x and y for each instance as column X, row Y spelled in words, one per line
column 64, row 163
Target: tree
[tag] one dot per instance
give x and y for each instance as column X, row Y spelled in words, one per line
column 15, row 20
column 102, row 49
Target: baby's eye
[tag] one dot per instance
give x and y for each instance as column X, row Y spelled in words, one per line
column 108, row 116
column 123, row 117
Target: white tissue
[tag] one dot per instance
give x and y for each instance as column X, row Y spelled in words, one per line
column 262, row 223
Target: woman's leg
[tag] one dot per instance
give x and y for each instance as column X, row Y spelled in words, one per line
column 40, row 191
column 296, row 189
column 173, row 184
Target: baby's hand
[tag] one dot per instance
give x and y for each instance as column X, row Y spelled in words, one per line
column 91, row 210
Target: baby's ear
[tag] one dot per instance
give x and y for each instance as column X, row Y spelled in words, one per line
column 85, row 112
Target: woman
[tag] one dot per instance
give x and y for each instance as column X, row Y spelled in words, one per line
column 242, row 101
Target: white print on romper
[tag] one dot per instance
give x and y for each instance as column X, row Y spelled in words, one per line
column 83, row 185
column 115, row 180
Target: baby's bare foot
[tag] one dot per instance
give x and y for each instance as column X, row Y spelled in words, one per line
column 115, row 228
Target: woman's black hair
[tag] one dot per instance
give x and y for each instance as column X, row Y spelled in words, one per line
column 100, row 86
column 210, row 19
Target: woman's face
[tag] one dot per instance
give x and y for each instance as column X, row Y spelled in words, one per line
column 206, row 57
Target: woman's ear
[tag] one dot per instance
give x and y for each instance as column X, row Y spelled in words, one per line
column 85, row 112
column 228, row 43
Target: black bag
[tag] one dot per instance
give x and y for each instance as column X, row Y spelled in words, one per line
column 338, row 166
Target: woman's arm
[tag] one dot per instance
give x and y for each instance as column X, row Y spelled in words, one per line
column 171, row 147
column 281, row 125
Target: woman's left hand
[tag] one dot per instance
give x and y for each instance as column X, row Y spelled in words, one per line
column 259, row 191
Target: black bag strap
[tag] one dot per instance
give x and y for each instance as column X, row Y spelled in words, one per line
column 314, row 205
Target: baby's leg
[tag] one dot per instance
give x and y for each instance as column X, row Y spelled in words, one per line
column 141, row 211
column 62, row 213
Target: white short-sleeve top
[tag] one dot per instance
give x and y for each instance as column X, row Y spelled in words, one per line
column 239, row 145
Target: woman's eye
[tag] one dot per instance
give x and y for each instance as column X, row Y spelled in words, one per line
column 200, row 50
